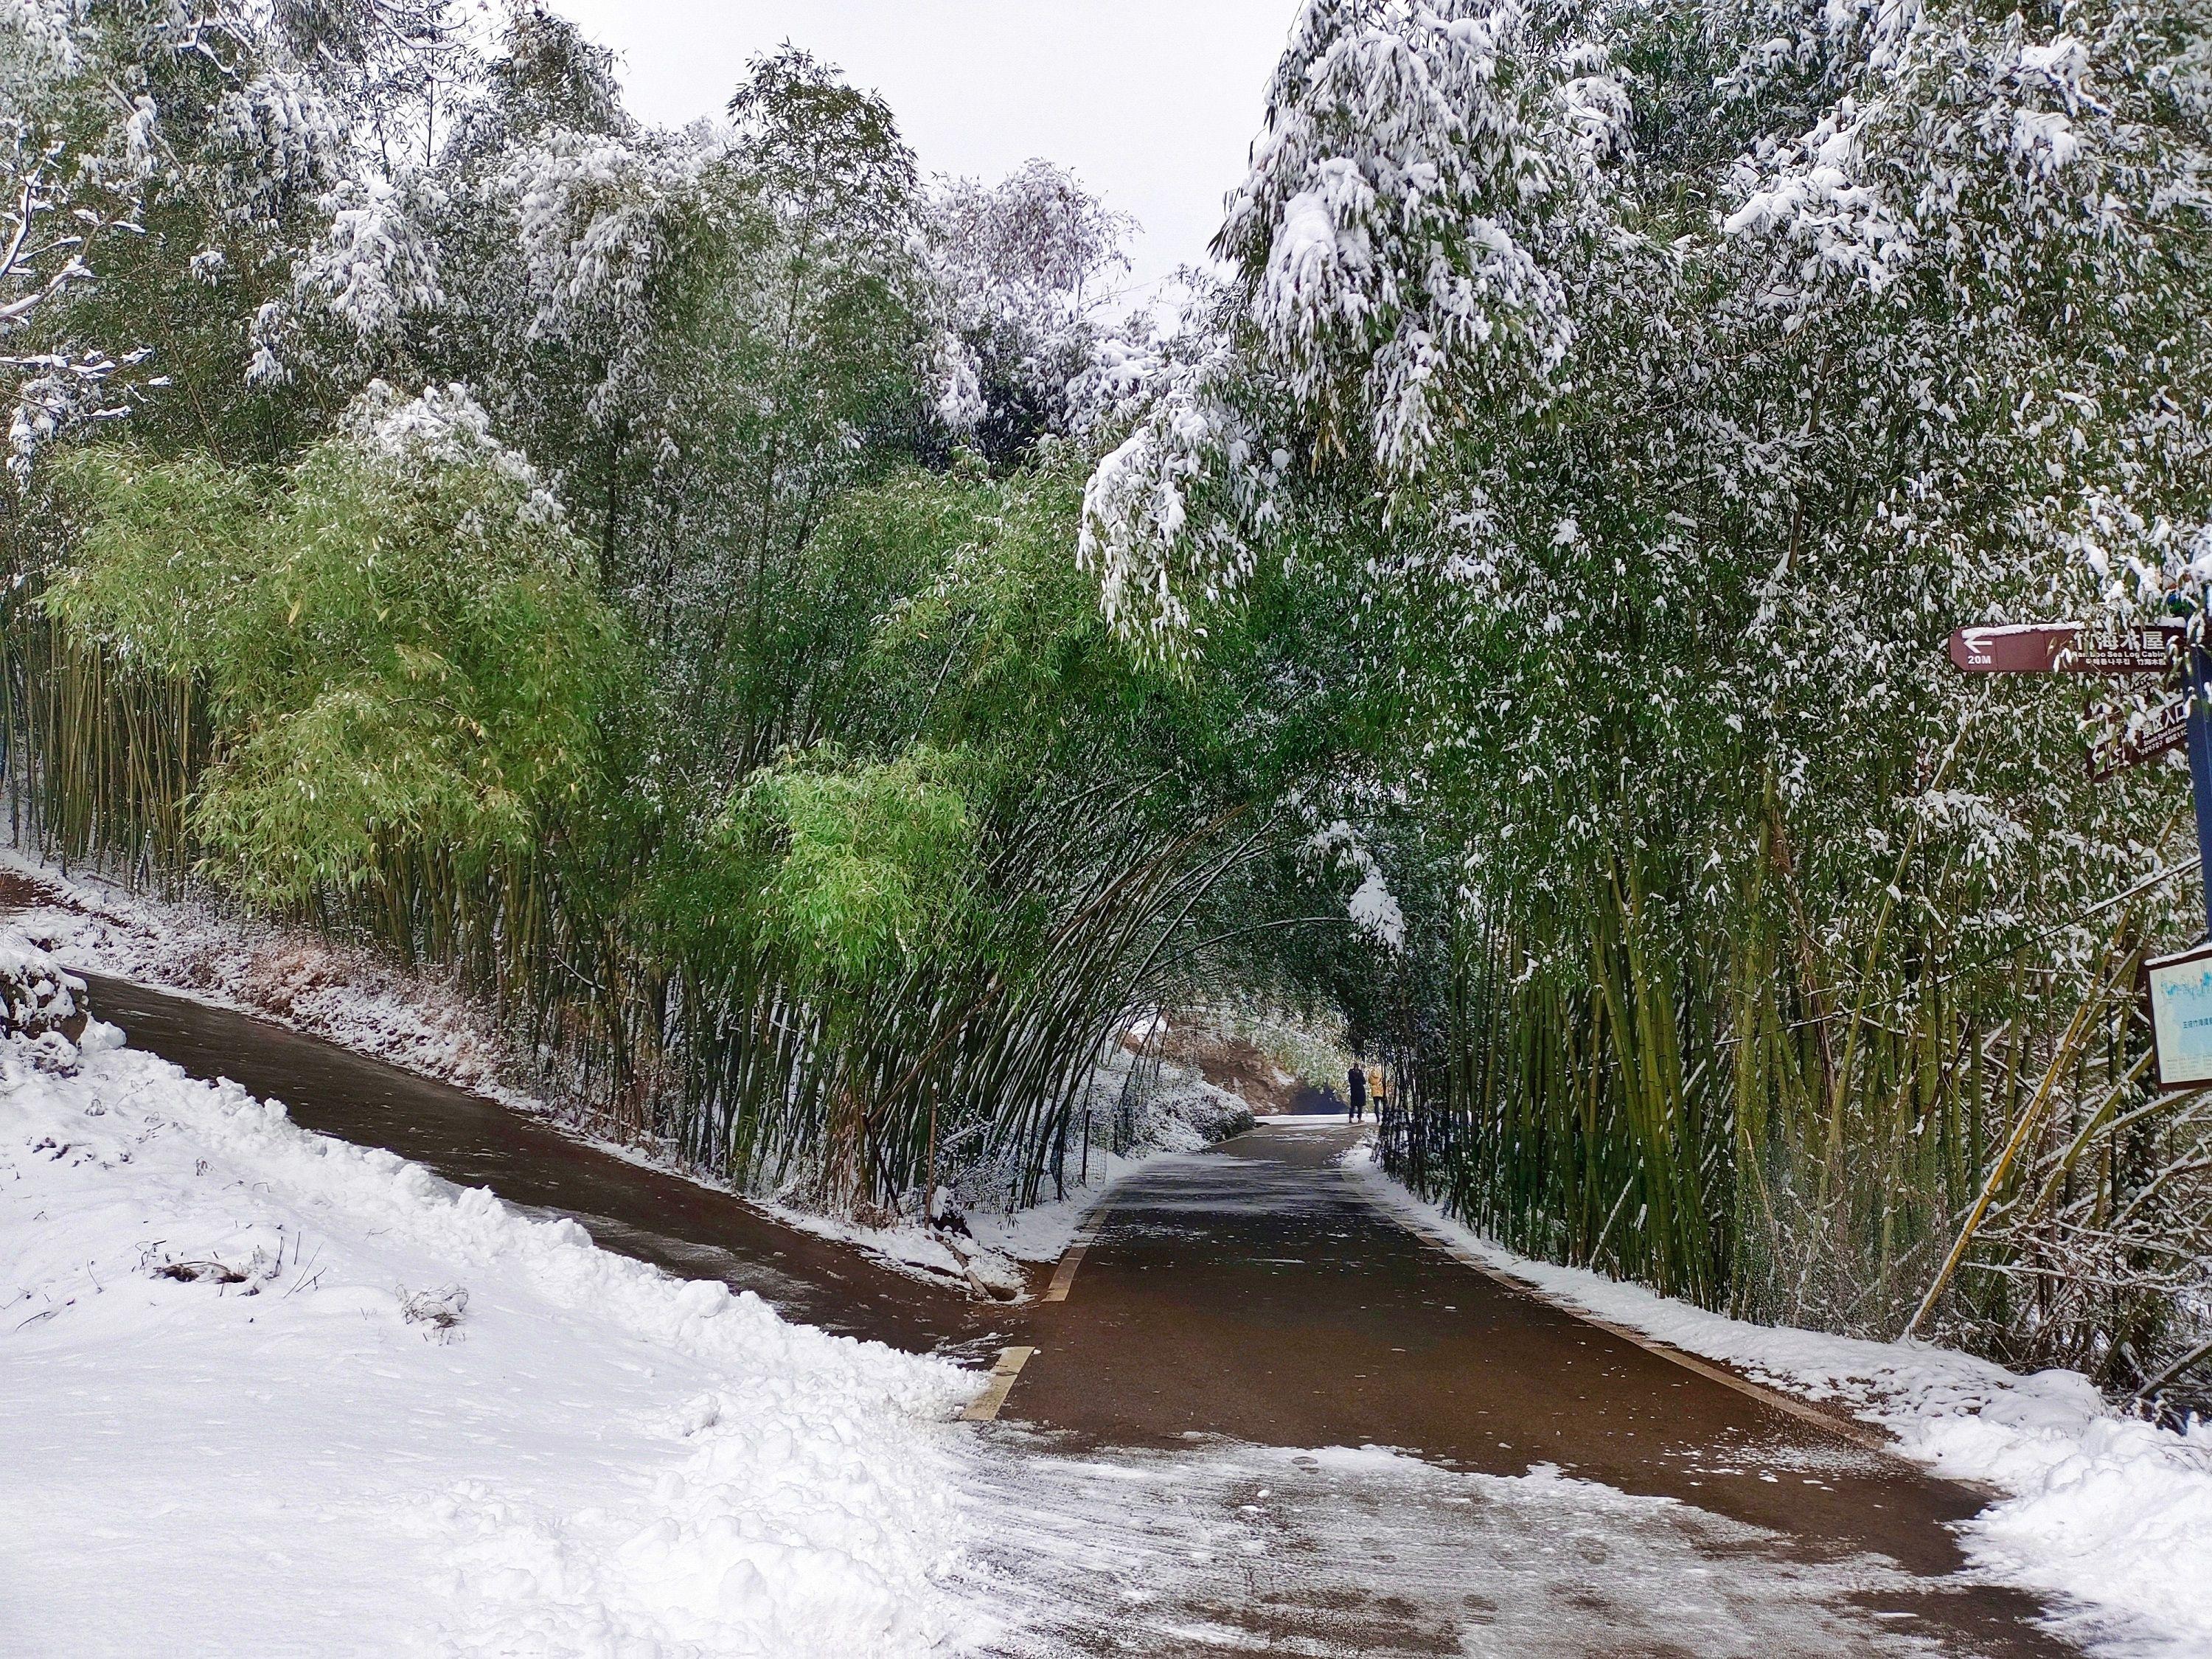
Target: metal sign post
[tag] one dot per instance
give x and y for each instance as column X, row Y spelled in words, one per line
column 2200, row 765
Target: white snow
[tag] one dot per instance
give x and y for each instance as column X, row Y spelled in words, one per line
column 1376, row 912
column 2111, row 1510
column 351, row 997
column 1182, row 1113
column 1043, row 1232
column 415, row 1021
column 227, row 1436
column 1216, row 1545
column 1372, row 908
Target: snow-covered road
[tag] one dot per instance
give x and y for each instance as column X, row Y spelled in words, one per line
column 1229, row 1547
column 1269, row 1416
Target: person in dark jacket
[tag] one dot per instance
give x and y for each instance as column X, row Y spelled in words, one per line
column 1358, row 1079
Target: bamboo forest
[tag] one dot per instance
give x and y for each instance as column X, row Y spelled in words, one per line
column 853, row 700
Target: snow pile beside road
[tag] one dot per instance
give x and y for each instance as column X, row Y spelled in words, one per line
column 264, row 1392
column 1183, row 1113
column 1188, row 1114
column 2110, row 1511
column 1043, row 1232
column 415, row 1021
column 1180, row 1112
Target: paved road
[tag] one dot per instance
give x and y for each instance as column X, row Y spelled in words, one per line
column 1268, row 1419
column 1547, row 1487
column 675, row 1223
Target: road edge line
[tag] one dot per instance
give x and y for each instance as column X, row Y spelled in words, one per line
column 986, row 1406
column 1063, row 1275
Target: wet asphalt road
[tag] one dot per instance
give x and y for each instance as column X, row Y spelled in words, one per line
column 1267, row 1418
column 690, row 1229
column 1251, row 1297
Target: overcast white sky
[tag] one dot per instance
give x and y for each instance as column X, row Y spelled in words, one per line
column 1151, row 102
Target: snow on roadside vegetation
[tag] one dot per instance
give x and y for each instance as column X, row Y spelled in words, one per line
column 2108, row 1509
column 1179, row 1111
column 1163, row 1108
column 353, row 998
column 264, row 1392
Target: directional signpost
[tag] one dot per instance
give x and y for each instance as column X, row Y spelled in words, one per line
column 2181, row 984
column 2069, row 648
column 2129, row 743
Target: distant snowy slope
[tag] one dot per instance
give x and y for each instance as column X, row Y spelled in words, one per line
column 266, row 1393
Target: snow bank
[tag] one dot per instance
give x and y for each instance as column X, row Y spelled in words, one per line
column 1043, row 1232
column 415, row 1021
column 1187, row 1115
column 1181, row 1112
column 36, row 996
column 349, row 996
column 2111, row 1511
column 264, row 1392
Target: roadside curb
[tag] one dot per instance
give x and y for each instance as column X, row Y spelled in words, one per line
column 1087, row 1234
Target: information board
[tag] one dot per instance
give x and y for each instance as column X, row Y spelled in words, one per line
column 2181, row 1016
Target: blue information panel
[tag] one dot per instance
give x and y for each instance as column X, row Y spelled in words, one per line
column 2181, row 1017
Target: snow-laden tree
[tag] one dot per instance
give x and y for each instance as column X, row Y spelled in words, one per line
column 701, row 336
column 60, row 204
column 553, row 561
column 50, row 233
column 1426, row 177
column 229, row 138
column 1662, row 384
column 1417, row 174
column 1026, row 269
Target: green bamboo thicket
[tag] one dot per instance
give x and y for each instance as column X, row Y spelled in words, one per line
column 1659, row 389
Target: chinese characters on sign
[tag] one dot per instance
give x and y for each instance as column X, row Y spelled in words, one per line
column 2069, row 648
column 2164, row 727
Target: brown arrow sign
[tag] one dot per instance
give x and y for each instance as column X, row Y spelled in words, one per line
column 2162, row 728
column 2068, row 648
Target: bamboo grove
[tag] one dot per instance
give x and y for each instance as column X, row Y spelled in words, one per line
column 1750, row 951
column 852, row 980
column 749, row 611
column 627, row 570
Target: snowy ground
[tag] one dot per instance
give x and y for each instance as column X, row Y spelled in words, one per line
column 415, row 1021
column 1222, row 1546
column 2112, row 1511
column 264, row 1393
column 595, row 1456
column 348, row 996
column 1184, row 1113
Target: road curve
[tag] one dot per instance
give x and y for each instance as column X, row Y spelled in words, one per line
column 1268, row 1418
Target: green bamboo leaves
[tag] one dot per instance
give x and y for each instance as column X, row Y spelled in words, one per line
column 858, row 868
column 397, row 647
